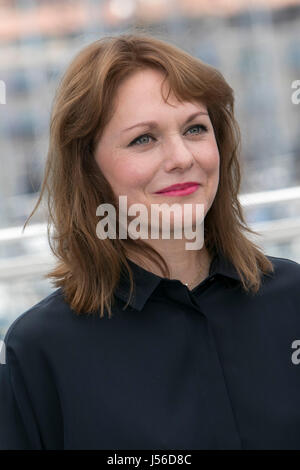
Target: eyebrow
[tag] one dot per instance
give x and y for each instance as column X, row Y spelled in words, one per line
column 153, row 124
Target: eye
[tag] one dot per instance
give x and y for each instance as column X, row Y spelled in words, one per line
column 142, row 139
column 197, row 126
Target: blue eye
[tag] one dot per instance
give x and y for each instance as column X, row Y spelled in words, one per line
column 204, row 128
column 135, row 141
column 142, row 139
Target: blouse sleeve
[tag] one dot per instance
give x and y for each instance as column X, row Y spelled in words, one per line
column 18, row 428
column 30, row 407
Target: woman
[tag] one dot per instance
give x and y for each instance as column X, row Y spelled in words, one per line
column 146, row 344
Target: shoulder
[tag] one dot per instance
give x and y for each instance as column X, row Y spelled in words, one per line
column 40, row 321
column 286, row 273
column 284, row 265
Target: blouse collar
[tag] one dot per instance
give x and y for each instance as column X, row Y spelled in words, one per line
column 146, row 281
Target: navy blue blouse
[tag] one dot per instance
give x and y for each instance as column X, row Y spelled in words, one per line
column 211, row 368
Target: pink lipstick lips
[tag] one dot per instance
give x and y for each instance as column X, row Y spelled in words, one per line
column 179, row 189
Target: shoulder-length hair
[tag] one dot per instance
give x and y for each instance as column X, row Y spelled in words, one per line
column 89, row 268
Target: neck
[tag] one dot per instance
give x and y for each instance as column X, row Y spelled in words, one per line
column 188, row 266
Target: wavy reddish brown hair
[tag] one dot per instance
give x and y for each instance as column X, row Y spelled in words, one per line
column 88, row 268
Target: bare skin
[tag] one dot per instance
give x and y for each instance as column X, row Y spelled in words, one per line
column 143, row 160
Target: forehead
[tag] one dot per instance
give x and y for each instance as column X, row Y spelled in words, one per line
column 141, row 93
column 142, row 81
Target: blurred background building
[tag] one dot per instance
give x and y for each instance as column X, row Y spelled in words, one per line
column 256, row 46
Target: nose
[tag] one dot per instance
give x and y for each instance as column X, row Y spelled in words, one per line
column 176, row 154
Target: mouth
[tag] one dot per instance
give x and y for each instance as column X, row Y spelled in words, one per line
column 183, row 191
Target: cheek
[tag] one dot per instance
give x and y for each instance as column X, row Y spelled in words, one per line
column 120, row 172
column 208, row 158
column 133, row 173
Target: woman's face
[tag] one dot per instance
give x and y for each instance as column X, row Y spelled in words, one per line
column 139, row 157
